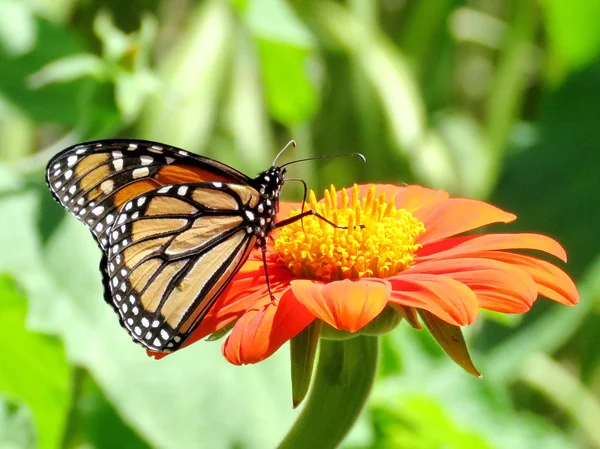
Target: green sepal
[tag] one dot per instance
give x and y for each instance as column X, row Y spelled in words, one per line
column 451, row 339
column 303, row 348
column 217, row 335
column 409, row 314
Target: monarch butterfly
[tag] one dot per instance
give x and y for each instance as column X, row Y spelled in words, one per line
column 174, row 228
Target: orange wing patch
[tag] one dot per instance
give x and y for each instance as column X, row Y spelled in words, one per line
column 182, row 173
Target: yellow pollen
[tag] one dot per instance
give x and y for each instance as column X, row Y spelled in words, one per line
column 379, row 241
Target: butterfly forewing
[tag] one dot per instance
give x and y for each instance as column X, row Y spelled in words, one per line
column 171, row 253
column 93, row 180
column 174, row 228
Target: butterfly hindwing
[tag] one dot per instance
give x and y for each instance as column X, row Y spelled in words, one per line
column 93, row 180
column 171, row 253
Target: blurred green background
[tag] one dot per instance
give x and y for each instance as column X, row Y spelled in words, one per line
column 492, row 99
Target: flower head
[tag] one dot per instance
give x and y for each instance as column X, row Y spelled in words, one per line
column 402, row 247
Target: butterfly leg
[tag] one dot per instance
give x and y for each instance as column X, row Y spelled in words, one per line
column 295, row 218
column 263, row 249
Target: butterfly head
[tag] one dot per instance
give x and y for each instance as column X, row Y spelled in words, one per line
column 270, row 183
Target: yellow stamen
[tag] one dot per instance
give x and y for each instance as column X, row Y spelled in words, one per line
column 383, row 246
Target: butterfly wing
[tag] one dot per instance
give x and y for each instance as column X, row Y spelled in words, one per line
column 172, row 251
column 93, row 180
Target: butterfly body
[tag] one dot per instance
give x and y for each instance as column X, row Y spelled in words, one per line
column 174, row 228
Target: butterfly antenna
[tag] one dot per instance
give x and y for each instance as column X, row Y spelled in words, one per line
column 292, row 143
column 334, row 156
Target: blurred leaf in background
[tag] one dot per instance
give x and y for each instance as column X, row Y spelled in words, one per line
column 488, row 99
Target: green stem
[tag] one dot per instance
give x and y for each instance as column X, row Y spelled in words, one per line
column 342, row 383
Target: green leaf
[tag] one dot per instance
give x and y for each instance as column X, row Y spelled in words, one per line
column 17, row 27
column 291, row 94
column 409, row 425
column 183, row 112
column 573, row 32
column 114, row 41
column 275, row 21
column 245, row 111
column 33, row 368
column 286, row 57
column 562, row 387
column 57, row 103
column 17, row 430
column 92, row 414
column 67, row 69
column 385, row 68
column 132, row 90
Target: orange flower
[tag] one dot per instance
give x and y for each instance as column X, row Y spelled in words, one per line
column 406, row 254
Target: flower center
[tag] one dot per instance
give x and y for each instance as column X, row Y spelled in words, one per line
column 383, row 246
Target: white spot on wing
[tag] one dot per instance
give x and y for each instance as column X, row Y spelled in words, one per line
column 140, row 172
column 107, row 186
column 141, row 201
column 71, row 160
column 182, row 190
column 146, row 160
column 118, row 164
column 97, row 210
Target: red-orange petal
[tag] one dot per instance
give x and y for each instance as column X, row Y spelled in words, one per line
column 551, row 281
column 346, row 305
column 448, row 299
column 457, row 215
column 472, row 244
column 285, row 208
column 498, row 286
column 262, row 330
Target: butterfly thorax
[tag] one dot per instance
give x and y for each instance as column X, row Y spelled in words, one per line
column 261, row 220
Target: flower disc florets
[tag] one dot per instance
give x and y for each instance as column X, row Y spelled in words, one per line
column 379, row 240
